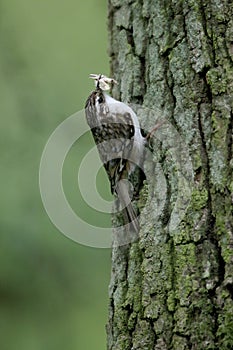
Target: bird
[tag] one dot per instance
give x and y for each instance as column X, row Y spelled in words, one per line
column 116, row 131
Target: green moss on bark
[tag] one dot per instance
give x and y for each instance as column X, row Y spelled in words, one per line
column 173, row 288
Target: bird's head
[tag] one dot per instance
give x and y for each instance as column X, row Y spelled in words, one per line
column 102, row 82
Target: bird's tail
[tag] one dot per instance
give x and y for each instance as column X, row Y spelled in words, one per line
column 130, row 216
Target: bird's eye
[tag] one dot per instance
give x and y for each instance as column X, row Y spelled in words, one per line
column 100, row 100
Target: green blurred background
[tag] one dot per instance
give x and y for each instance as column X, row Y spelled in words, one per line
column 53, row 292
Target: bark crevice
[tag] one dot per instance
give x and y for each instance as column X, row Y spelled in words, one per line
column 173, row 289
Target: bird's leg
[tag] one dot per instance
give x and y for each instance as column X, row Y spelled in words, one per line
column 149, row 135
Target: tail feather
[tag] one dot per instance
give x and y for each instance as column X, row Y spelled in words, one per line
column 130, row 216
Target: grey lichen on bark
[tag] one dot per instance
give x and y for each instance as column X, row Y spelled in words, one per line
column 174, row 289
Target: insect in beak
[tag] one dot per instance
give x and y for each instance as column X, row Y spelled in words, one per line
column 103, row 82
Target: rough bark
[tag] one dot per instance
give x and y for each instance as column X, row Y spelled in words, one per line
column 174, row 290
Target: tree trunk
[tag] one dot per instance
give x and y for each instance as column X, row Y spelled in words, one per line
column 173, row 287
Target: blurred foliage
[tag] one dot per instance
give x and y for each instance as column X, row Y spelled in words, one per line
column 53, row 292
